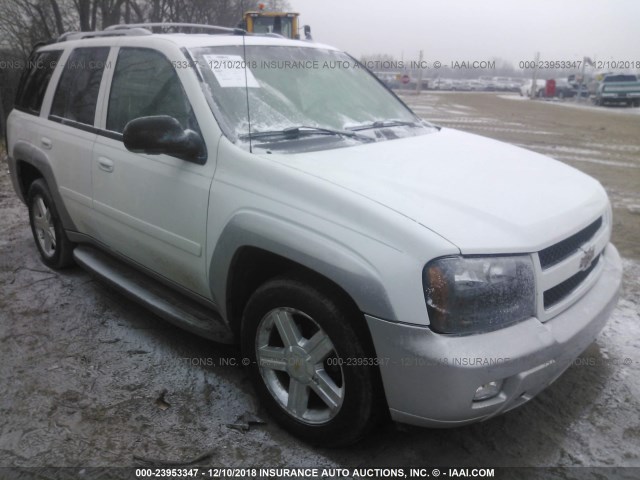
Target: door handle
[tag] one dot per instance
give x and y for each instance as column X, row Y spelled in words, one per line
column 46, row 143
column 105, row 164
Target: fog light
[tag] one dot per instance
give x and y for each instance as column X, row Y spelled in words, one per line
column 487, row 391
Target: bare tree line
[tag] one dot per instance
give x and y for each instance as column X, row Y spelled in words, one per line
column 24, row 23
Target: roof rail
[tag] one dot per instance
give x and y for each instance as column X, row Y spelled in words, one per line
column 105, row 33
column 133, row 29
column 213, row 29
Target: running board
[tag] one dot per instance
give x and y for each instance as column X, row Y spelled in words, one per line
column 160, row 299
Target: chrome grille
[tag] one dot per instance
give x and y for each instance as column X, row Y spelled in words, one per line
column 567, row 247
column 564, row 289
column 568, row 268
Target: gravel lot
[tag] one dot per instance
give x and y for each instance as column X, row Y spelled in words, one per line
column 90, row 379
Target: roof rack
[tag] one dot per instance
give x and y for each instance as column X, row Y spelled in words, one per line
column 134, row 29
column 176, row 26
column 110, row 33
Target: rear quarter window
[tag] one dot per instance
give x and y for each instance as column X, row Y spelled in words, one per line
column 35, row 80
column 77, row 93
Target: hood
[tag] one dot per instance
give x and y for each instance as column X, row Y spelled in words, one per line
column 482, row 195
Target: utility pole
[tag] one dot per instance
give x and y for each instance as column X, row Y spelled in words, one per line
column 585, row 61
column 534, row 84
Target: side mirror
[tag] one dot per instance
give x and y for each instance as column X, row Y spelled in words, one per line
column 307, row 32
column 164, row 134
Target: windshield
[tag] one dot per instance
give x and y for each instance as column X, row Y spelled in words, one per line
column 281, row 25
column 294, row 87
column 620, row 78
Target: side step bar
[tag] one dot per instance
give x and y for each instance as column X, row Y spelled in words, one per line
column 160, row 299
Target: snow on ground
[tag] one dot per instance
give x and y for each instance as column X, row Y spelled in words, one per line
column 583, row 155
column 513, row 97
column 600, row 162
column 570, row 103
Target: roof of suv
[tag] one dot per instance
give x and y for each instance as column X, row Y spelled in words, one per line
column 188, row 40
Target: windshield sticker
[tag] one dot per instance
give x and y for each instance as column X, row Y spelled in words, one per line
column 230, row 70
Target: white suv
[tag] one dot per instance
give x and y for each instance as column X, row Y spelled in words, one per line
column 273, row 192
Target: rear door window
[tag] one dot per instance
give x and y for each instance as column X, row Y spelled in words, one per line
column 77, row 93
column 35, row 80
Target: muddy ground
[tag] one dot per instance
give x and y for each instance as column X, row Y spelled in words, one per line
column 83, row 370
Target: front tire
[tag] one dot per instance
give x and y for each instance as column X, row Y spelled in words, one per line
column 55, row 248
column 307, row 362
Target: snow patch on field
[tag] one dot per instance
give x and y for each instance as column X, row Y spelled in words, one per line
column 491, row 128
column 620, row 148
column 630, row 204
column 627, row 312
column 611, row 163
column 479, row 120
column 462, row 107
column 584, row 106
column 513, row 97
column 586, row 155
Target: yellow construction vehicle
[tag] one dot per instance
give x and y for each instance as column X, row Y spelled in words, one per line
column 280, row 23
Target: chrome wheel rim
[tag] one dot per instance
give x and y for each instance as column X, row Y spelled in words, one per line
column 44, row 226
column 299, row 365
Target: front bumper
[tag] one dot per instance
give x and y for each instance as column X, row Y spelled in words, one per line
column 620, row 97
column 431, row 379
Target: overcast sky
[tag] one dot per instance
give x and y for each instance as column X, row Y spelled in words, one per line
column 478, row 29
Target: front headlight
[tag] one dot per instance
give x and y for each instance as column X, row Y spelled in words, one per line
column 477, row 294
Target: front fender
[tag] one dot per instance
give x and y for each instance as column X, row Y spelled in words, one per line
column 311, row 249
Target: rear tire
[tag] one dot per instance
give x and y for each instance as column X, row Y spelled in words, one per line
column 55, row 248
column 303, row 348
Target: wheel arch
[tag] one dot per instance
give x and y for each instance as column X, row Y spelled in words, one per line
column 253, row 266
column 27, row 174
column 30, row 164
column 255, row 247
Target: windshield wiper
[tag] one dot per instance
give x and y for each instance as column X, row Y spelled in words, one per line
column 384, row 124
column 297, row 132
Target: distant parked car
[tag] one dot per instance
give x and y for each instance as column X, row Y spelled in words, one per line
column 477, row 86
column 442, row 84
column 618, row 88
column 390, row 79
column 563, row 89
column 461, row 86
column 527, row 88
column 505, row 84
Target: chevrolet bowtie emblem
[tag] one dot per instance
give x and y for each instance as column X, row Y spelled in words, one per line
column 587, row 258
